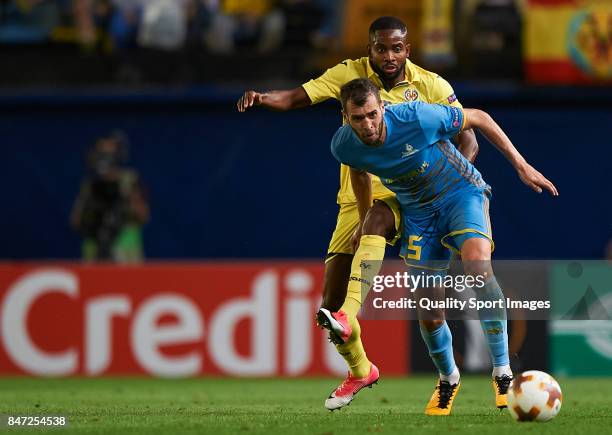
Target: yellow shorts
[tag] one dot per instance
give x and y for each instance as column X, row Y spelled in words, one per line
column 348, row 218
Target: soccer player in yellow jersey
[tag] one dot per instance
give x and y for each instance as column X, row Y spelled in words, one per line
column 399, row 80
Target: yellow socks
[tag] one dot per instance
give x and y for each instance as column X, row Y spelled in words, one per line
column 353, row 353
column 366, row 264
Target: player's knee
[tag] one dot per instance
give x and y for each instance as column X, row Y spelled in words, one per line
column 476, row 249
column 476, row 256
column 379, row 221
column 431, row 324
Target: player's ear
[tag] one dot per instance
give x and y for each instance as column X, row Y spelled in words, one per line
column 345, row 116
column 407, row 50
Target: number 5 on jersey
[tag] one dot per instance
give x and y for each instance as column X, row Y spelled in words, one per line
column 414, row 251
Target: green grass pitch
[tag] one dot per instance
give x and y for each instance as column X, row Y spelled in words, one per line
column 287, row 406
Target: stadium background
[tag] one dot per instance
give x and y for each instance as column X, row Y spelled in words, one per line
column 242, row 205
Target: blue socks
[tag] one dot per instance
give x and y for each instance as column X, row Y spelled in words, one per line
column 494, row 323
column 440, row 345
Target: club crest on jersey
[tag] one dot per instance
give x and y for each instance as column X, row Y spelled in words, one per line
column 409, row 151
column 411, row 95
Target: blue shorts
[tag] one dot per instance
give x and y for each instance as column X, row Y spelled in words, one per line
column 428, row 240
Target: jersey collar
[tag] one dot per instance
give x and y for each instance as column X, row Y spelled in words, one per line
column 412, row 74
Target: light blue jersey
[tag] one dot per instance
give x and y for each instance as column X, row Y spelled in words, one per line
column 443, row 197
column 416, row 161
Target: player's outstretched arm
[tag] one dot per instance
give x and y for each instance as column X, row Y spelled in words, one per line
column 528, row 174
column 274, row 100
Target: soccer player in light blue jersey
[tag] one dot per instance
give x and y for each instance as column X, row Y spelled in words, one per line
column 444, row 205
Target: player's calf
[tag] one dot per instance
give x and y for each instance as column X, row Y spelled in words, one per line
column 335, row 280
column 439, row 344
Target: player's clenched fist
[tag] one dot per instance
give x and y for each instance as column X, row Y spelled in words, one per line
column 248, row 99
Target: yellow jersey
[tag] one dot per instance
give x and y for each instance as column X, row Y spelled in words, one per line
column 419, row 84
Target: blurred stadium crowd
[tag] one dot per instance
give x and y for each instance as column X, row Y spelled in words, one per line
column 307, row 33
column 213, row 25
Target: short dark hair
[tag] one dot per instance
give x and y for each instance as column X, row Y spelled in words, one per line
column 358, row 91
column 387, row 23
